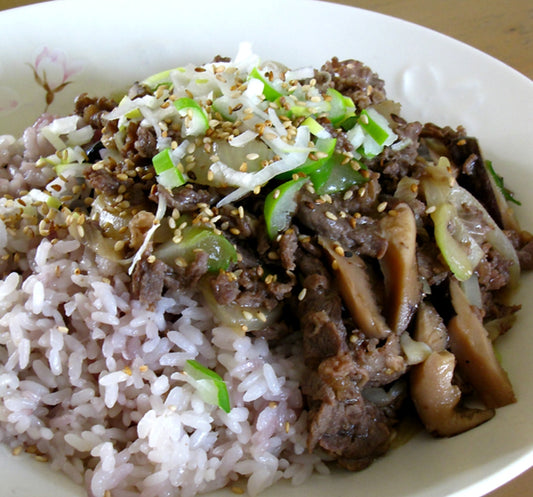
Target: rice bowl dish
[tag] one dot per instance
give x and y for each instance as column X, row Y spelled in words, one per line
column 95, row 345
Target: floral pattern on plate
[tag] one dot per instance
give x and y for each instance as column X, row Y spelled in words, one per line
column 53, row 70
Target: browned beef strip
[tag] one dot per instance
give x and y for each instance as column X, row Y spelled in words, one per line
column 146, row 142
column 288, row 246
column 239, row 223
column 342, row 422
column 184, row 198
column 493, row 271
column 353, row 79
column 150, row 278
column 225, row 288
column 362, row 234
column 103, row 181
column 430, row 266
column 378, row 363
column 320, row 313
column 92, row 110
column 395, row 163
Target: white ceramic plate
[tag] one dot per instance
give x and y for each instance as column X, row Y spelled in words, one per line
column 101, row 46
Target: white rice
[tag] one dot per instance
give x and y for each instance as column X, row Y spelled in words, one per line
column 92, row 379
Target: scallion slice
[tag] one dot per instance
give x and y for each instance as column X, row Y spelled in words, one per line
column 168, row 175
column 195, row 121
column 378, row 133
column 209, row 385
column 270, row 93
column 280, row 205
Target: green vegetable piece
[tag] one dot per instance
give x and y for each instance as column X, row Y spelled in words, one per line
column 454, row 254
column 270, row 93
column 334, row 177
column 342, row 107
column 162, row 161
column 220, row 251
column 280, row 205
column 223, row 105
column 508, row 194
column 168, row 175
column 210, row 385
column 373, row 128
column 159, row 79
column 196, row 121
column 315, row 128
column 53, row 202
column 325, row 148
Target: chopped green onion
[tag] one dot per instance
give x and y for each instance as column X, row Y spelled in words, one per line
column 53, row 202
column 196, row 121
column 509, row 196
column 270, row 93
column 342, row 107
column 220, row 251
column 210, row 386
column 158, row 79
column 224, row 105
column 315, row 128
column 334, row 177
column 372, row 128
column 280, row 205
column 326, row 147
column 168, row 175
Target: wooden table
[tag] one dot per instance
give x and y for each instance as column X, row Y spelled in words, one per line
column 501, row 29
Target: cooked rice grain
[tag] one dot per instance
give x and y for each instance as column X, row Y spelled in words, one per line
column 93, row 379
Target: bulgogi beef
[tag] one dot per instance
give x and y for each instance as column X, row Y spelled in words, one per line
column 291, row 285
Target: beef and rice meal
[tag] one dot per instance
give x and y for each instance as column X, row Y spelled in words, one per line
column 238, row 273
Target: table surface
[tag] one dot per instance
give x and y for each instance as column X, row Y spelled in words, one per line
column 501, row 29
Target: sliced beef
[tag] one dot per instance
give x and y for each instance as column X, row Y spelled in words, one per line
column 353, row 79
column 146, row 142
column 341, row 421
column 150, row 278
column 395, row 163
column 185, row 198
column 225, row 288
column 103, row 181
column 361, row 234
column 493, row 271
column 378, row 363
column 320, row 313
column 93, row 110
column 288, row 246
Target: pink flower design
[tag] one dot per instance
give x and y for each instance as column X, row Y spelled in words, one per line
column 52, row 71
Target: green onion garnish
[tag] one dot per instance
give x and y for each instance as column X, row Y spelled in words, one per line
column 210, row 385
column 168, row 175
column 509, row 196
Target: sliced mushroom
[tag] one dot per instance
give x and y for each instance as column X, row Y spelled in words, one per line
column 471, row 345
column 437, row 400
column 399, row 267
column 354, row 287
column 430, row 328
